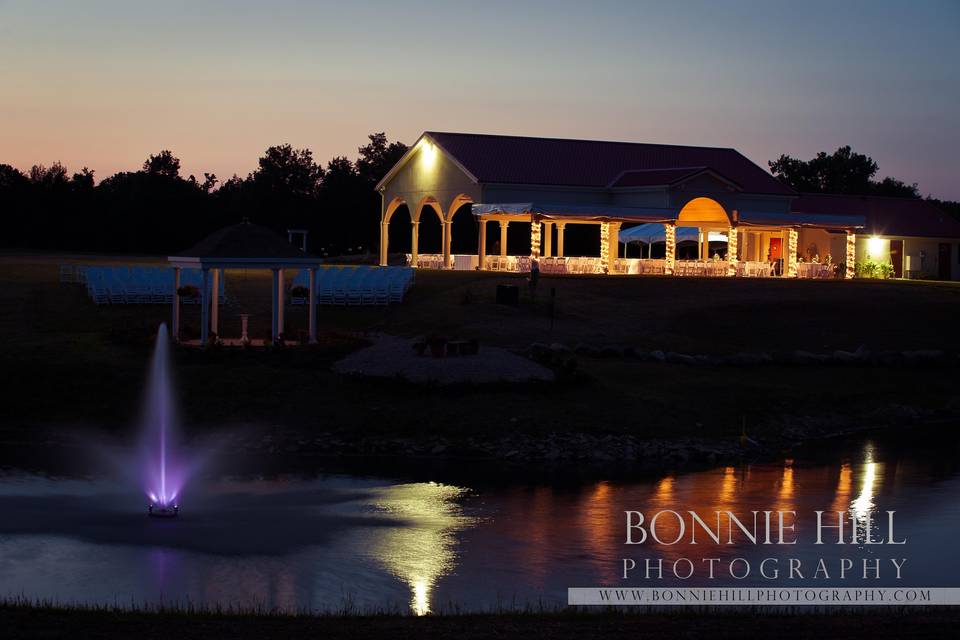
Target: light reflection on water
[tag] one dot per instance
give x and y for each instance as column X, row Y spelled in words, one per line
column 292, row 544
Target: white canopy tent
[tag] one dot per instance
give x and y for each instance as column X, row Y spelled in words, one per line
column 654, row 232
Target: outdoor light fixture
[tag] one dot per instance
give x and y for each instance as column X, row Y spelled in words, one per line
column 163, row 511
column 428, row 155
column 875, row 247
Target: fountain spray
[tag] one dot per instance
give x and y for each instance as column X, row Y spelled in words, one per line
column 164, row 476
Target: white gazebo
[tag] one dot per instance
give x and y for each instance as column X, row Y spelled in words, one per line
column 242, row 246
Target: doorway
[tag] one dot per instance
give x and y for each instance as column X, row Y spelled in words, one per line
column 896, row 257
column 943, row 261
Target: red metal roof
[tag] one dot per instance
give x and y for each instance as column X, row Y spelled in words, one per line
column 655, row 177
column 591, row 163
column 884, row 216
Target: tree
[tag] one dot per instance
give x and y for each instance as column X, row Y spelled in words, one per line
column 82, row 181
column 289, row 172
column 378, row 157
column 47, row 178
column 163, row 164
column 843, row 171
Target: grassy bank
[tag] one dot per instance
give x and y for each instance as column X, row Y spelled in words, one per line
column 66, row 361
column 50, row 622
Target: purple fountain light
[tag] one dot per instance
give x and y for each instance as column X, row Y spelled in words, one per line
column 164, row 470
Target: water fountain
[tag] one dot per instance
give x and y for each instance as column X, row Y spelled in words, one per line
column 164, row 471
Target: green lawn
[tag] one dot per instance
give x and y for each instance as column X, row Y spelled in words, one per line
column 66, row 361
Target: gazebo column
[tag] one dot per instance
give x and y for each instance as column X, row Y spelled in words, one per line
column 384, row 242
column 176, row 305
column 614, row 241
column 535, row 238
column 215, row 303
column 604, row 247
column 732, row 251
column 447, row 236
column 790, row 260
column 482, row 246
column 670, row 242
column 503, row 237
column 561, row 226
column 414, row 241
column 851, row 270
column 274, row 305
column 313, row 305
column 205, row 306
column 281, row 295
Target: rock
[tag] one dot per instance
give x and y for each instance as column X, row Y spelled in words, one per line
column 887, row 358
column 538, row 349
column 806, row 357
column 923, row 356
column 585, row 350
column 845, row 357
column 749, row 359
column 680, row 358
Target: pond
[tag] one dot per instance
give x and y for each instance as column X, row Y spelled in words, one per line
column 447, row 538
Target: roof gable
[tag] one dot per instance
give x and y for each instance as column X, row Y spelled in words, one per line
column 884, row 215
column 590, row 163
column 244, row 241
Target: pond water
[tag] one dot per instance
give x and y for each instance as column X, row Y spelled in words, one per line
column 440, row 539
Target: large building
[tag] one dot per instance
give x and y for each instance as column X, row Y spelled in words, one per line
column 734, row 217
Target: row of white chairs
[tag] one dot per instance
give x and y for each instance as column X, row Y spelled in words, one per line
column 359, row 285
column 135, row 285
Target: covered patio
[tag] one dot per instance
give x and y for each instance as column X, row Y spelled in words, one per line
column 241, row 246
column 751, row 244
column 711, row 211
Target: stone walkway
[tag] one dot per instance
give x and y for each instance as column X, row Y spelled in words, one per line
column 394, row 357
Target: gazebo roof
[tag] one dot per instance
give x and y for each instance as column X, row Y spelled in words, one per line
column 245, row 243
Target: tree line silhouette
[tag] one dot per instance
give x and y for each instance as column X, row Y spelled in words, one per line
column 157, row 211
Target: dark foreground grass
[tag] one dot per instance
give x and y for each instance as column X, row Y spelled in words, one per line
column 64, row 360
column 30, row 621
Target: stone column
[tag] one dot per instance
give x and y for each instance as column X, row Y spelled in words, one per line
column 273, row 304
column 313, row 305
column 384, row 242
column 204, row 306
column 215, row 303
column 482, row 246
column 447, row 233
column 535, row 238
column 176, row 305
column 561, row 226
column 547, row 239
column 414, row 242
column 503, row 237
column 732, row 251
column 791, row 258
column 851, row 255
column 670, row 235
column 281, row 301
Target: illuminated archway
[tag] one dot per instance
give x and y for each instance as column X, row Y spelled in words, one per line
column 704, row 213
column 429, row 229
column 463, row 227
column 707, row 215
